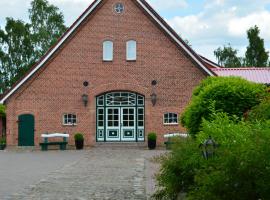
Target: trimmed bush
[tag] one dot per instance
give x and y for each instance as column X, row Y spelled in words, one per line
column 231, row 95
column 3, row 141
column 152, row 136
column 78, row 137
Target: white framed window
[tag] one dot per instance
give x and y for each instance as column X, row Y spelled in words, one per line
column 170, row 118
column 131, row 50
column 69, row 119
column 107, row 50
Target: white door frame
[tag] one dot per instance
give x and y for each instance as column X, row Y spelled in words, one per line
column 128, row 132
column 113, row 132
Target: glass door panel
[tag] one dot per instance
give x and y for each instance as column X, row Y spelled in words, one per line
column 113, row 124
column 128, row 132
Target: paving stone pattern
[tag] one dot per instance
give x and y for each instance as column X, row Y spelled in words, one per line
column 103, row 173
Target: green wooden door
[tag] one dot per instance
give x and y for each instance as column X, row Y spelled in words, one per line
column 26, row 130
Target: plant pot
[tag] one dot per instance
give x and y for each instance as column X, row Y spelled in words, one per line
column 2, row 146
column 152, row 144
column 79, row 144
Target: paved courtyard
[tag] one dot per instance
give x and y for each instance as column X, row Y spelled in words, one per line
column 99, row 173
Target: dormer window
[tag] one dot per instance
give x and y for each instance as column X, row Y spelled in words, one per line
column 131, row 50
column 107, row 50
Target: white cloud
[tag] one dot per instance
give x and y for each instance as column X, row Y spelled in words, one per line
column 72, row 9
column 239, row 25
column 189, row 26
column 221, row 22
column 168, row 4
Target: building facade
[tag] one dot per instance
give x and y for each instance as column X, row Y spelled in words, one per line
column 117, row 74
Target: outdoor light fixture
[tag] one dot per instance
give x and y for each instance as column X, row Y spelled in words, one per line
column 85, row 99
column 154, row 98
column 208, row 148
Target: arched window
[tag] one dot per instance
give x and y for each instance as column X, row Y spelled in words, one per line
column 131, row 50
column 107, row 50
column 170, row 118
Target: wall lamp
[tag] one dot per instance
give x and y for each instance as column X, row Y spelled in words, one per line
column 85, row 99
column 153, row 98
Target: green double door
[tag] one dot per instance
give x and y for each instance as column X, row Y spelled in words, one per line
column 26, row 130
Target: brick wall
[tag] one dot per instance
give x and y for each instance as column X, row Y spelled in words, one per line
column 58, row 87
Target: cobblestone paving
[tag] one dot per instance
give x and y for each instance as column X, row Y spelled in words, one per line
column 103, row 173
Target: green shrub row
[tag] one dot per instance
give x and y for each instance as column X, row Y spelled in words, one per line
column 240, row 169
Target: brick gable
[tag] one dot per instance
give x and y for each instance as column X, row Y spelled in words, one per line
column 57, row 88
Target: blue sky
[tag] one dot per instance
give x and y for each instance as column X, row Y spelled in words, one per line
column 207, row 24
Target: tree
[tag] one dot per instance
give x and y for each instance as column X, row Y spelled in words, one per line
column 256, row 55
column 47, row 25
column 15, row 52
column 227, row 57
column 22, row 44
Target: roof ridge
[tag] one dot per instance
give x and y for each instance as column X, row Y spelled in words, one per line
column 242, row 68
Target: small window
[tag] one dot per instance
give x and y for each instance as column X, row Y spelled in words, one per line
column 140, row 100
column 119, row 8
column 170, row 118
column 100, row 101
column 107, row 50
column 69, row 119
column 131, row 50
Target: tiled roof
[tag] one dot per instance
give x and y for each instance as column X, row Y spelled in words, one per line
column 258, row 75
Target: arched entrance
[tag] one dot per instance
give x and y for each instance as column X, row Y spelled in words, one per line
column 120, row 117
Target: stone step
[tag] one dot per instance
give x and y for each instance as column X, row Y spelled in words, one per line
column 124, row 145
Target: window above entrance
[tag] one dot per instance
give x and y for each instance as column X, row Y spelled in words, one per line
column 121, row 99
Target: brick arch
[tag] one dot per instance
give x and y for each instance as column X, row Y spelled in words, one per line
column 99, row 90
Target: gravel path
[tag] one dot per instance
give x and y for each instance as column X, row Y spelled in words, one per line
column 100, row 173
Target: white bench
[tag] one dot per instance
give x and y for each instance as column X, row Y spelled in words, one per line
column 172, row 135
column 62, row 145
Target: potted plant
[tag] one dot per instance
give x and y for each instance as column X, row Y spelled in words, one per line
column 79, row 141
column 152, row 140
column 2, row 143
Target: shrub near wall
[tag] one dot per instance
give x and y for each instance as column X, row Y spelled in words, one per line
column 2, row 110
column 231, row 95
column 240, row 169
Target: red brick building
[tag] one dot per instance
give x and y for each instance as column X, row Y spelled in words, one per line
column 117, row 74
